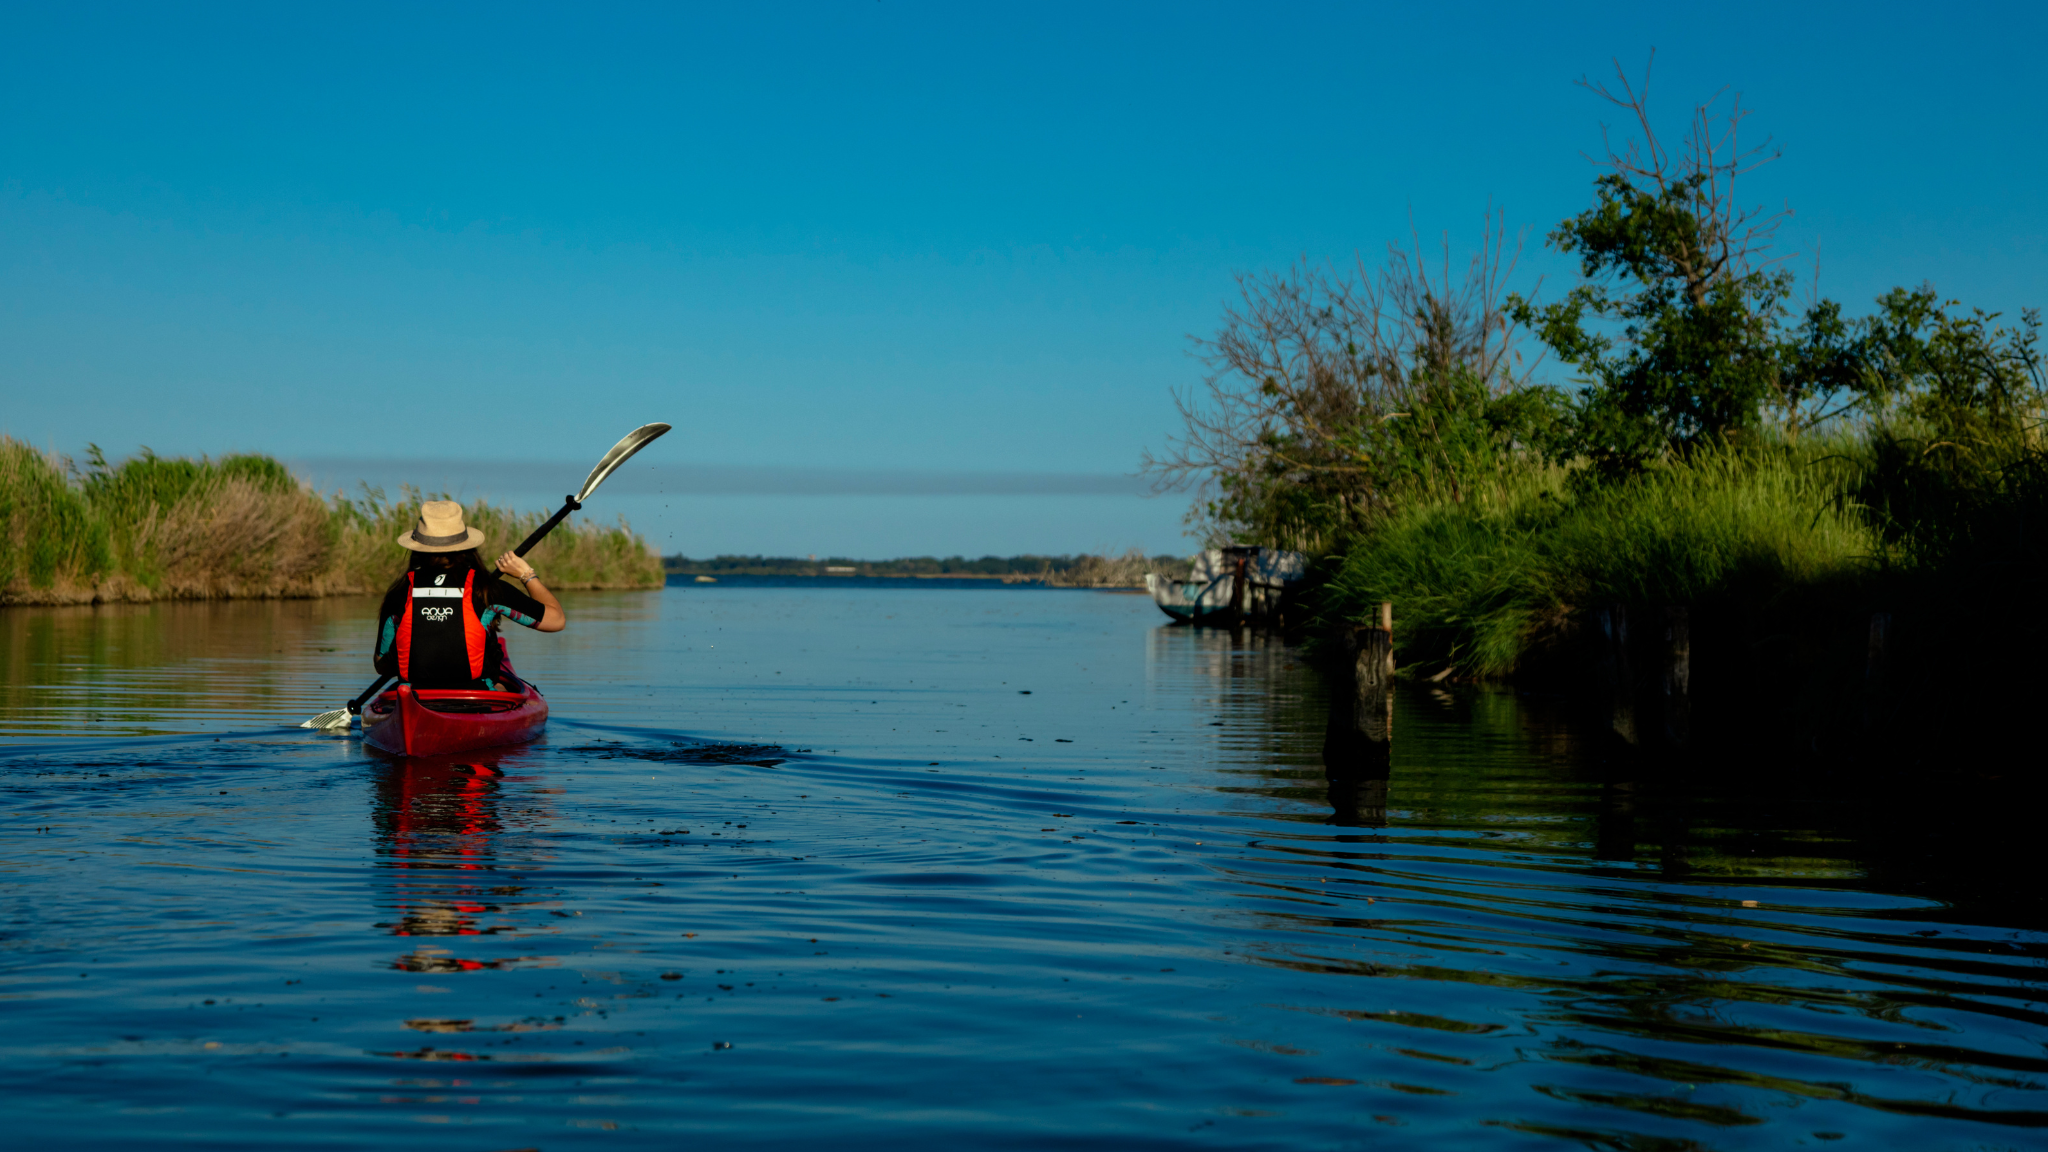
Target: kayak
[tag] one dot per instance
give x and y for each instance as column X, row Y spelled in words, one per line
column 437, row 721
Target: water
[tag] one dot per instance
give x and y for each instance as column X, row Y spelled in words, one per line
column 884, row 863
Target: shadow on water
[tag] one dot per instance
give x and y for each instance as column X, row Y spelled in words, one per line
column 1726, row 938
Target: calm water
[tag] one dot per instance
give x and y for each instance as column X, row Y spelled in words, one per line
column 894, row 865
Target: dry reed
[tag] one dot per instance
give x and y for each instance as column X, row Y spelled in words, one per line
column 242, row 527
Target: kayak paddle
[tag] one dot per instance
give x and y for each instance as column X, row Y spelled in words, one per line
column 621, row 452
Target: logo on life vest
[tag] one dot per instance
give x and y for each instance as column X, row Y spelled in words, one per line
column 435, row 614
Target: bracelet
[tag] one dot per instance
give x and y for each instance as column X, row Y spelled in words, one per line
column 529, row 579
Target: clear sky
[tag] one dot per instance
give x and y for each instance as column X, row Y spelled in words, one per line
column 868, row 236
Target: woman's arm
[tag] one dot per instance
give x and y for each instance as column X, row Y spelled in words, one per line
column 553, row 620
column 386, row 659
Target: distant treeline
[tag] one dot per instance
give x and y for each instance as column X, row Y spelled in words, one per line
column 1081, row 569
column 241, row 526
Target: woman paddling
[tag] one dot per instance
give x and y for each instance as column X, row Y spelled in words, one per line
column 438, row 627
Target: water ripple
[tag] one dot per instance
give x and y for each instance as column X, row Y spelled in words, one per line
column 840, row 878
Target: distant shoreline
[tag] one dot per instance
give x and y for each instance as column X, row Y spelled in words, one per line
column 789, row 579
column 1004, row 578
column 1082, row 570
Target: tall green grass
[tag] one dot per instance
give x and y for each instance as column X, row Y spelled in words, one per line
column 242, row 526
column 579, row 554
column 1482, row 582
column 47, row 528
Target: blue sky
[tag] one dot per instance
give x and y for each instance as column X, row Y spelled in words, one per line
column 867, row 237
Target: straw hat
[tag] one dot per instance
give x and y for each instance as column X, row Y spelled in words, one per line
column 440, row 529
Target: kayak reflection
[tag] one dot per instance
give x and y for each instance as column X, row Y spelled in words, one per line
column 438, row 822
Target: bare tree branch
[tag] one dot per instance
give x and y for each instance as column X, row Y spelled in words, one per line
column 1732, row 241
column 1311, row 358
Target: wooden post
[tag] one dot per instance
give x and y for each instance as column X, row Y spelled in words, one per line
column 1874, row 662
column 1373, row 675
column 1361, row 727
column 1677, row 676
column 1237, row 582
column 1617, row 682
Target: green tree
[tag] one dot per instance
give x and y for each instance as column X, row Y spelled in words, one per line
column 1965, row 377
column 1678, row 327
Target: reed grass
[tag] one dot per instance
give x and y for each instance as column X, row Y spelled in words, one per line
column 48, row 531
column 579, row 554
column 1481, row 582
column 240, row 527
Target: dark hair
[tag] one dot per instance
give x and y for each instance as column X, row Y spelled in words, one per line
column 460, row 561
column 457, row 561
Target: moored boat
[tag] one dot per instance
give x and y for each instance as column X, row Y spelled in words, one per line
column 437, row 721
column 1190, row 601
column 1231, row 586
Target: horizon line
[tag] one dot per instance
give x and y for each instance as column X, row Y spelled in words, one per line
column 657, row 479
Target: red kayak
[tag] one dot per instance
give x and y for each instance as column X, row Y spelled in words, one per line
column 437, row 721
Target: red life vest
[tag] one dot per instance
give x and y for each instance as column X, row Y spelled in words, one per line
column 441, row 637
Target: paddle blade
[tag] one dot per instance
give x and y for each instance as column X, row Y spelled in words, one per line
column 621, row 452
column 329, row 720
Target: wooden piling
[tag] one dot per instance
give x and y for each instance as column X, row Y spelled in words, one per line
column 1237, row 589
column 1677, row 676
column 1359, row 738
column 1373, row 678
column 1616, row 681
column 1875, row 658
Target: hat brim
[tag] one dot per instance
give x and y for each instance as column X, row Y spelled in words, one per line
column 471, row 538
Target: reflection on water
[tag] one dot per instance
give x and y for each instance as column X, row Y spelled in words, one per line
column 148, row 669
column 1004, row 867
column 435, row 821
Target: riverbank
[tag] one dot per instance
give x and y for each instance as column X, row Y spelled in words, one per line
column 1820, row 524
column 243, row 527
column 1837, row 595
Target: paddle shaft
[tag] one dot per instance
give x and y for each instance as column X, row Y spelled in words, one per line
column 528, row 544
column 355, row 706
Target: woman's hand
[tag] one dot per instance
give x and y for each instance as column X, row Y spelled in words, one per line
column 553, row 619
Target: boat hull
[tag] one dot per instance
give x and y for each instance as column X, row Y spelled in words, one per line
column 1195, row 613
column 1189, row 602
column 438, row 721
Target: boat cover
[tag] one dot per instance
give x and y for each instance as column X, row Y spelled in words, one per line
column 1268, row 566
